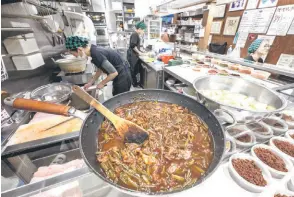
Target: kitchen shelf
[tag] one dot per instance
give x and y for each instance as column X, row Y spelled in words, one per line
column 15, row 31
column 266, row 67
column 192, row 16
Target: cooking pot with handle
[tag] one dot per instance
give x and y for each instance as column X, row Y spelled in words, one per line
column 92, row 122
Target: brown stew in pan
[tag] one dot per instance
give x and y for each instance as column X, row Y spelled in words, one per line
column 178, row 152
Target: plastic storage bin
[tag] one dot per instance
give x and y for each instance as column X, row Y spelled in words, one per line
column 19, row 45
column 28, row 62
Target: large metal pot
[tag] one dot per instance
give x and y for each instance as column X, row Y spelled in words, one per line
column 242, row 86
column 93, row 120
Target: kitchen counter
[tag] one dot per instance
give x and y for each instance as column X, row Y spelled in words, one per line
column 152, row 65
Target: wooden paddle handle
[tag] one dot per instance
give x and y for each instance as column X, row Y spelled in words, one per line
column 37, row 106
column 96, row 104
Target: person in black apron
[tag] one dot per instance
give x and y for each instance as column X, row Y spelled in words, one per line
column 107, row 61
column 134, row 52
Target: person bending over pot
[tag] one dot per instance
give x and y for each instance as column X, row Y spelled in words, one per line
column 106, row 60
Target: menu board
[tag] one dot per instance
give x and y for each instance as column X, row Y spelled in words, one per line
column 267, row 3
column 281, row 20
column 291, row 29
column 252, row 4
column 231, row 26
column 286, row 60
column 262, row 20
column 247, row 20
column 219, row 11
column 216, row 27
column 256, row 21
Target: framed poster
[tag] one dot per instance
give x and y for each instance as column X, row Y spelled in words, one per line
column 216, row 27
column 267, row 3
column 237, row 5
column 252, row 4
column 219, row 11
column 231, row 26
column 282, row 20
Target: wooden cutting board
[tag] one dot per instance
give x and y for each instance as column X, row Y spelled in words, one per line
column 37, row 130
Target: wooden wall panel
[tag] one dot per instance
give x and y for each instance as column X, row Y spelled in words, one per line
column 282, row 44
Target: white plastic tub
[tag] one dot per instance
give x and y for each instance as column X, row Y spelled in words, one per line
column 244, row 183
column 241, row 144
column 275, row 173
column 28, row 62
column 255, row 129
column 288, row 135
column 285, row 140
column 18, row 45
column 275, row 120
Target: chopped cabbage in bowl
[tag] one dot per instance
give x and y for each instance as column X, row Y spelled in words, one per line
column 238, row 100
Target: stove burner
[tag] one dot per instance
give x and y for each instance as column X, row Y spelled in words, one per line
column 71, row 74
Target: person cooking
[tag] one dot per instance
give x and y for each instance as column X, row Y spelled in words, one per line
column 257, row 50
column 134, row 52
column 107, row 61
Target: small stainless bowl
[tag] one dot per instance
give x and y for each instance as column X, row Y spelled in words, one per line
column 53, row 93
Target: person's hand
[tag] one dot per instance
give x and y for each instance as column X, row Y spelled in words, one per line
column 87, row 86
column 100, row 86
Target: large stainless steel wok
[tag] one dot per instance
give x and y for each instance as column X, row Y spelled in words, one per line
column 242, row 86
column 93, row 120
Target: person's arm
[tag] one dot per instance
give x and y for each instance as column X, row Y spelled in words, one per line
column 112, row 73
column 93, row 79
column 137, row 51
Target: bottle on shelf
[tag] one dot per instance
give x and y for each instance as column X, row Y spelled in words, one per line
column 230, row 50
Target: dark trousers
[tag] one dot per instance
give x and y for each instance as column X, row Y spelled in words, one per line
column 135, row 69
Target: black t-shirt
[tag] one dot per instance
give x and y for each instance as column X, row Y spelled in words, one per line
column 250, row 58
column 135, row 40
column 99, row 55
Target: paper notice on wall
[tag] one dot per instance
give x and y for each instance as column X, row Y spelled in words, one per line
column 242, row 38
column 286, row 61
column 291, row 29
column 219, row 11
column 252, row 4
column 262, row 20
column 268, row 3
column 281, row 21
column 247, row 20
column 216, row 27
column 231, row 26
column 269, row 41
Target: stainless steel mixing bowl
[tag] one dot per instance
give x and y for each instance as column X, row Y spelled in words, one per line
column 242, row 86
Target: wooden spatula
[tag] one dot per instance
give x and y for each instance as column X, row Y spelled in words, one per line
column 129, row 131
